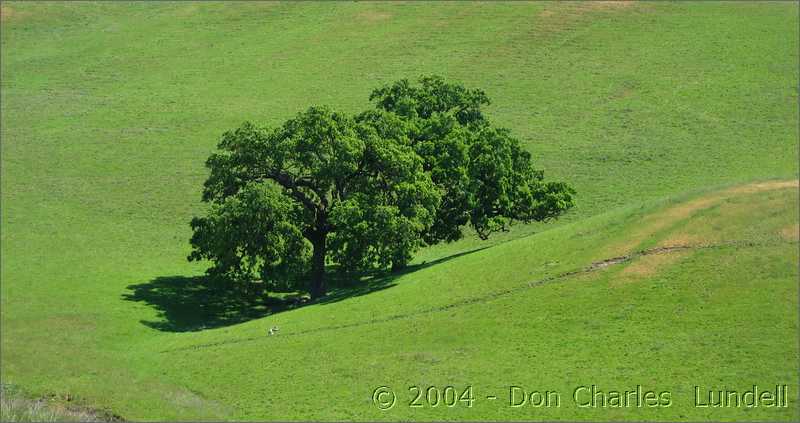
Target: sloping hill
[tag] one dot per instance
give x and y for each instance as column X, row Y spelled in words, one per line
column 696, row 291
column 661, row 115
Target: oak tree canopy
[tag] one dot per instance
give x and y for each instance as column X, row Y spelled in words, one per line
column 367, row 190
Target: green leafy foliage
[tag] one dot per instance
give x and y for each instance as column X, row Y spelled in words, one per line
column 279, row 193
column 253, row 233
column 365, row 191
column 486, row 177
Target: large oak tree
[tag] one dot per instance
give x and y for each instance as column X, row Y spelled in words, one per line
column 365, row 191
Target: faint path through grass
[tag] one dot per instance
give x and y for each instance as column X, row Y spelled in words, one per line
column 599, row 265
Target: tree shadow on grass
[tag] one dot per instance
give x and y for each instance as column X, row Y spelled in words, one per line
column 342, row 286
column 199, row 302
column 194, row 303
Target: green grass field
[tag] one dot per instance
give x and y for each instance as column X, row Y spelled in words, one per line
column 677, row 123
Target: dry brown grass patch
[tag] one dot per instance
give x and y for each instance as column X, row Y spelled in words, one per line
column 683, row 239
column 647, row 266
column 373, row 16
column 653, row 224
column 569, row 9
column 791, row 232
column 762, row 186
column 6, row 12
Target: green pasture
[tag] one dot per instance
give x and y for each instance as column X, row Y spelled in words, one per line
column 661, row 115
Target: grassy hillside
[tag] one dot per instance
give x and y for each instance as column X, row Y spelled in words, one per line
column 541, row 319
column 110, row 109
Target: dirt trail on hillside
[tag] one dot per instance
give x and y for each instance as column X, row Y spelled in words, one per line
column 643, row 263
column 596, row 266
column 660, row 221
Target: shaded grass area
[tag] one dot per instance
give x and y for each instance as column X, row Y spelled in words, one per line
column 202, row 302
column 199, row 302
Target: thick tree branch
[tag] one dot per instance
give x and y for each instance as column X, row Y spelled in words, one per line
column 293, row 187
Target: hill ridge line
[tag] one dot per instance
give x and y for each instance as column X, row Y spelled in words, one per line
column 594, row 266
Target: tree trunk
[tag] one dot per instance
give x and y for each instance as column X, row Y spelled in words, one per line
column 317, row 283
column 399, row 263
column 398, row 266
